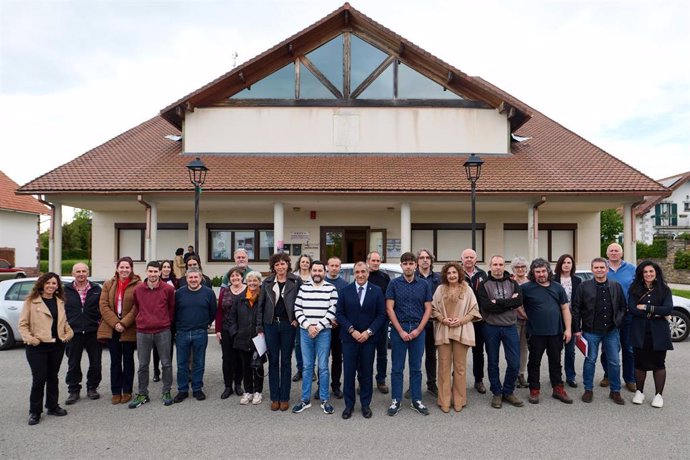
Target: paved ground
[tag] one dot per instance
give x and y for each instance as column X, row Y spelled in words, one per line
column 215, row 428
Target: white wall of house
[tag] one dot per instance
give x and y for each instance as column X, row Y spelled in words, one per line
column 344, row 130
column 19, row 230
column 299, row 228
column 646, row 226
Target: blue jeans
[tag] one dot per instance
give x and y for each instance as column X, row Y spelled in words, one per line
column 628, row 356
column 312, row 349
column 400, row 349
column 192, row 342
column 610, row 342
column 280, row 339
column 569, row 361
column 494, row 336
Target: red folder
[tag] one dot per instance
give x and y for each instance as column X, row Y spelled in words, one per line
column 582, row 344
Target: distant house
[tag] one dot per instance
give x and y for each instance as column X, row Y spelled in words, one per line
column 19, row 226
column 342, row 139
column 668, row 216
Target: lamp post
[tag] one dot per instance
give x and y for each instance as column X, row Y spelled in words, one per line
column 197, row 176
column 473, row 169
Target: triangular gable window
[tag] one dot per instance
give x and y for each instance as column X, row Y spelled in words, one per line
column 373, row 74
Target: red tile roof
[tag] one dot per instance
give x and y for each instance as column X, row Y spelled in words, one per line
column 651, row 201
column 11, row 202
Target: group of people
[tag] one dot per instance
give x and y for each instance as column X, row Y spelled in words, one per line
column 433, row 316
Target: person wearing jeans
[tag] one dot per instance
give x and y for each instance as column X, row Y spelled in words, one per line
column 408, row 304
column 315, row 312
column 599, row 307
column 195, row 310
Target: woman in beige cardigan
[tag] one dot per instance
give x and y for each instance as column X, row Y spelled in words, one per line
column 44, row 329
column 454, row 307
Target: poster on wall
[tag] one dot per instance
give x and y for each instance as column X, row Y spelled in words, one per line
column 296, row 249
column 392, row 248
column 286, row 248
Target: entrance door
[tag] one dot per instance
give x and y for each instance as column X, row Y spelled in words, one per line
column 351, row 244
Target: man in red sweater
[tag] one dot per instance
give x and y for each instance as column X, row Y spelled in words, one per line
column 154, row 307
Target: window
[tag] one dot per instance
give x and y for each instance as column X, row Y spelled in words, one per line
column 19, row 291
column 447, row 241
column 666, row 215
column 279, row 85
column 224, row 239
column 131, row 238
column 686, row 206
column 554, row 240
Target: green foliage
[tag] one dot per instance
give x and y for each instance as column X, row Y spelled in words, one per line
column 67, row 265
column 217, row 281
column 76, row 237
column 683, row 236
column 682, row 260
column 611, row 226
column 657, row 250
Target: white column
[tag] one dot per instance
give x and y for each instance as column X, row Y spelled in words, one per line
column 153, row 233
column 532, row 234
column 405, row 227
column 55, row 263
column 278, row 226
column 629, row 246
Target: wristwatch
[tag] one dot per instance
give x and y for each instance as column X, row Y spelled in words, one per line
column 351, row 328
column 370, row 332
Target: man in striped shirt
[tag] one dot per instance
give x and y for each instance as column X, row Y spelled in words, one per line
column 315, row 311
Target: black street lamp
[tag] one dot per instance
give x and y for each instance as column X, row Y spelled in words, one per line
column 197, row 176
column 473, row 169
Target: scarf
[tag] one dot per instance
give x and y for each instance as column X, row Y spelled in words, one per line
column 120, row 295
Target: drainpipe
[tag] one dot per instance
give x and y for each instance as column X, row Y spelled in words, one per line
column 533, row 228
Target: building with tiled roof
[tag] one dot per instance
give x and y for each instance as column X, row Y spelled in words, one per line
column 342, row 139
column 19, row 226
column 665, row 215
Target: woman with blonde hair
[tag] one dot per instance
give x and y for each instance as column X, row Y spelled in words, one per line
column 454, row 307
column 44, row 329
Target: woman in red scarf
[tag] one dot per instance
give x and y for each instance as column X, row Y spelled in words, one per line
column 118, row 328
column 242, row 331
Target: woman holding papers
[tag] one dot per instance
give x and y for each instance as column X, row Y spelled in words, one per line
column 243, row 321
column 649, row 302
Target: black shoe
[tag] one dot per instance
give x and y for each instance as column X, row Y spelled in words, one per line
column 432, row 389
column 199, row 395
column 72, row 398
column 297, row 377
column 34, row 419
column 347, row 413
column 227, row 393
column 366, row 412
column 92, row 394
column 337, row 392
column 572, row 383
column 181, row 396
column 57, row 411
column 382, row 387
column 156, row 377
column 238, row 389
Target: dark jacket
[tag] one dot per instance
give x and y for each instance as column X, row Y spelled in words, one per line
column 243, row 323
column 585, row 300
column 476, row 280
column 653, row 318
column 370, row 315
column 496, row 302
column 83, row 318
column 267, row 299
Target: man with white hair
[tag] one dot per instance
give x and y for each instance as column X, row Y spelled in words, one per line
column 474, row 277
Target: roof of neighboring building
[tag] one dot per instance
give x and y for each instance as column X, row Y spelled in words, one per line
column 11, row 202
column 672, row 183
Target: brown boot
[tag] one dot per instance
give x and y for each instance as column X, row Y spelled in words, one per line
column 617, row 398
column 587, row 396
column 560, row 394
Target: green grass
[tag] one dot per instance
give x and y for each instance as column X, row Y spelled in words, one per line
column 66, row 266
column 681, row 293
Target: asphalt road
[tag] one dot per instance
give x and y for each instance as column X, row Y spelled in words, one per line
column 224, row 429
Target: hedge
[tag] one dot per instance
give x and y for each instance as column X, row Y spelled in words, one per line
column 657, row 250
column 66, row 265
column 682, row 260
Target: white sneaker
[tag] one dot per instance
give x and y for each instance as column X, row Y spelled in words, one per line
column 246, row 398
column 658, row 401
column 257, row 398
column 638, row 398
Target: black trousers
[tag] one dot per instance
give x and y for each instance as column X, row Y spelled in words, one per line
column 478, row 351
column 232, row 363
column 553, row 345
column 253, row 377
column 74, row 350
column 121, row 365
column 44, row 361
column 430, row 354
column 336, row 358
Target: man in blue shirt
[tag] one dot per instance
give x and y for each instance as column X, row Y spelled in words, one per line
column 622, row 272
column 408, row 304
column 548, row 326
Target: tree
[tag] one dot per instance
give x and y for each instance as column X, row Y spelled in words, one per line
column 611, row 225
column 76, row 236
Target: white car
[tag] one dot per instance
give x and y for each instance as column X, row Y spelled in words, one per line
column 12, row 295
column 393, row 271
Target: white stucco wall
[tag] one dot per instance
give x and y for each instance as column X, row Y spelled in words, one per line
column 20, row 231
column 345, row 130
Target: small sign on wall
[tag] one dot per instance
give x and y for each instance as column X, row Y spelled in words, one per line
column 392, row 248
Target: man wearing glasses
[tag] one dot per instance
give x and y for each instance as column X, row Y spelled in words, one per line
column 519, row 267
column 425, row 271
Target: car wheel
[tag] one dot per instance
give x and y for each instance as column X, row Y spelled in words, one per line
column 6, row 336
column 679, row 326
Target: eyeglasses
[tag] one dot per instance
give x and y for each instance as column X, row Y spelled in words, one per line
column 520, row 266
column 424, row 257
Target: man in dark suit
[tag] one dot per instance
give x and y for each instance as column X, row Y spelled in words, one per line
column 361, row 313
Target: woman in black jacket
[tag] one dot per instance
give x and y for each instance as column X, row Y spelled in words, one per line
column 649, row 302
column 565, row 275
column 243, row 321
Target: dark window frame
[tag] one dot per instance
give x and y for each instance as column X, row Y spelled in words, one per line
column 549, row 228
column 142, row 227
column 257, row 228
column 481, row 228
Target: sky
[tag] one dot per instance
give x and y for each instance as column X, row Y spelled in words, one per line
column 74, row 74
